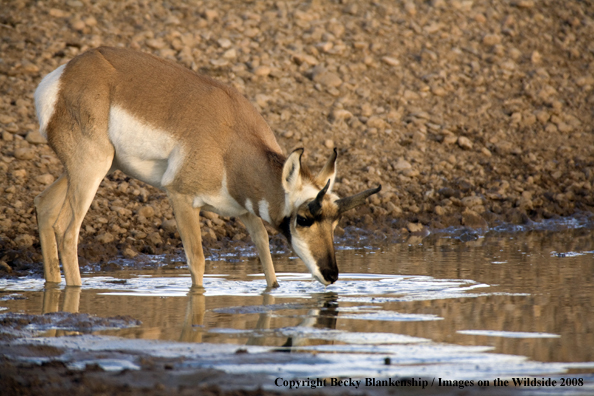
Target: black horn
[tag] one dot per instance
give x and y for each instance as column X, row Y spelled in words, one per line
column 315, row 206
column 353, row 201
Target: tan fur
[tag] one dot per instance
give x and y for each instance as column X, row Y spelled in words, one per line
column 207, row 148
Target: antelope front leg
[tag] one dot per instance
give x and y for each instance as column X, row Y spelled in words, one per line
column 259, row 235
column 188, row 224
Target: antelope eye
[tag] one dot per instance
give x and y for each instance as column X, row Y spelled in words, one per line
column 304, row 221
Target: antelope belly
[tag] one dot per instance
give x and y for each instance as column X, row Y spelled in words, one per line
column 141, row 151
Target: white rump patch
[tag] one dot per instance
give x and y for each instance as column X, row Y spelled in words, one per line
column 46, row 96
column 263, row 208
column 142, row 151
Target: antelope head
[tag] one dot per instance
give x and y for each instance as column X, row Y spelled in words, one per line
column 312, row 212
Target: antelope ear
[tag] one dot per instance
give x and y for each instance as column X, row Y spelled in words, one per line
column 328, row 172
column 292, row 171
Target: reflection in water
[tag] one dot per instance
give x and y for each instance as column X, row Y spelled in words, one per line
column 322, row 317
column 484, row 291
column 194, row 315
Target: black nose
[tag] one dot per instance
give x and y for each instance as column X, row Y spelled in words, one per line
column 330, row 275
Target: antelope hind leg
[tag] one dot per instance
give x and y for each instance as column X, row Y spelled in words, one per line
column 83, row 181
column 47, row 206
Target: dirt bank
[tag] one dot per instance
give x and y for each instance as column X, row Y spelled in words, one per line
column 467, row 112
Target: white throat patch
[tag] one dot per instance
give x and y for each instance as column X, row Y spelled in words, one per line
column 304, row 253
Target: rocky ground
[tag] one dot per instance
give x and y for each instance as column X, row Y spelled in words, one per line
column 469, row 113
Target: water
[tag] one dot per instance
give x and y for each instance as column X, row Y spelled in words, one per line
column 498, row 304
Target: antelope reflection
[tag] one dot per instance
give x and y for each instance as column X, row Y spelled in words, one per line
column 322, row 314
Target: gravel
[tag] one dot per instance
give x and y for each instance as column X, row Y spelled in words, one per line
column 469, row 113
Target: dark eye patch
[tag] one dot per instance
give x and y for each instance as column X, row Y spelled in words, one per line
column 304, row 221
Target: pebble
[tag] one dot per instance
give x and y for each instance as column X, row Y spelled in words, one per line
column 155, row 238
column 169, row 225
column 45, row 179
column 491, row 39
column 328, row 79
column 414, row 227
column 388, row 60
column 146, row 211
column 7, row 119
column 464, row 143
column 24, row 153
column 262, row 71
column 24, row 240
column 105, row 238
column 402, row 165
column 129, row 253
column 35, row 137
column 472, row 219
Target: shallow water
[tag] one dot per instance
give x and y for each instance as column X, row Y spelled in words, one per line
column 480, row 304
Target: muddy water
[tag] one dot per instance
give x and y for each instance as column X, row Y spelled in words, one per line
column 529, row 294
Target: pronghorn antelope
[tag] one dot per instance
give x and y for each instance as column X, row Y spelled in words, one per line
column 198, row 140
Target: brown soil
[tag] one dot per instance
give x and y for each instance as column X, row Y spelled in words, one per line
column 469, row 113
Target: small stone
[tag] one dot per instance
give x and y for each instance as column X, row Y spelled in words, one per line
column 439, row 210
column 388, row 60
column 464, row 143
column 45, row 179
column 472, row 219
column 564, row 127
column 91, row 21
column 157, row 43
column 169, row 225
column 328, row 79
column 12, row 127
column 24, row 153
column 155, row 238
column 146, row 211
column 402, row 165
column 414, row 227
column 224, row 43
column 450, row 139
column 410, row 8
column 230, row 54
column 491, row 39
column 524, row 4
column 35, row 137
column 7, row 119
column 262, row 71
column 410, row 95
column 77, row 24
column 105, row 238
column 56, row 13
column 211, row 15
column 24, row 241
column 516, row 117
column 19, row 173
column 471, row 201
column 438, row 91
column 486, row 152
column 329, row 143
column 542, row 116
column 7, row 136
column 130, row 253
column 535, row 57
column 340, row 115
